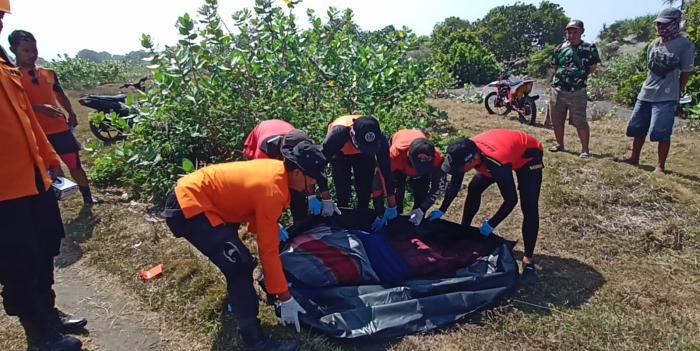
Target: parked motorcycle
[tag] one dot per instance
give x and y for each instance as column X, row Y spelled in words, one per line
column 512, row 95
column 108, row 104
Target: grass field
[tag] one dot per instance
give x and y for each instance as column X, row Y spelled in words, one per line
column 617, row 256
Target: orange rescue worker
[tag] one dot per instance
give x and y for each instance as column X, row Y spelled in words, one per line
column 207, row 208
column 355, row 146
column 413, row 156
column 495, row 155
column 267, row 140
column 31, row 227
column 45, row 92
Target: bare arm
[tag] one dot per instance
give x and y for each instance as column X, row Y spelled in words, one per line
column 65, row 103
column 685, row 77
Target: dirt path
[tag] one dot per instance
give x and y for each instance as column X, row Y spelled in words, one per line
column 116, row 321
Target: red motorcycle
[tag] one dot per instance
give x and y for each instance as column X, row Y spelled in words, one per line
column 512, row 95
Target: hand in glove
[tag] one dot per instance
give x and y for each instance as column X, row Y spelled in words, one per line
column 315, row 206
column 284, row 235
column 416, row 216
column 378, row 224
column 290, row 310
column 390, row 213
column 329, row 208
column 437, row 214
column 486, row 228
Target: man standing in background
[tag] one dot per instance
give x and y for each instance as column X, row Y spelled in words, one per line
column 573, row 60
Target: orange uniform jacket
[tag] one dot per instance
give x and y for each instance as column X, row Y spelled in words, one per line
column 44, row 93
column 505, row 147
column 400, row 144
column 256, row 192
column 346, row 121
column 23, row 145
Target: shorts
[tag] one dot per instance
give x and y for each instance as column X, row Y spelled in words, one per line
column 67, row 147
column 653, row 118
column 573, row 102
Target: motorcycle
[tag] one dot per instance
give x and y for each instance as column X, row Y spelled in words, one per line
column 512, row 95
column 104, row 130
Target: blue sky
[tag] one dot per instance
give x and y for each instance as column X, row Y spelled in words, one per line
column 67, row 26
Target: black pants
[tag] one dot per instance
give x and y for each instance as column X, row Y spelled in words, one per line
column 226, row 251
column 31, row 230
column 298, row 205
column 344, row 167
column 529, row 184
column 419, row 188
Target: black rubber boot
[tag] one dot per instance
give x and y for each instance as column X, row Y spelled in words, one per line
column 68, row 324
column 529, row 275
column 255, row 339
column 41, row 337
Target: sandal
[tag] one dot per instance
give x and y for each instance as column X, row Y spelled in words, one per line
column 585, row 155
column 556, row 148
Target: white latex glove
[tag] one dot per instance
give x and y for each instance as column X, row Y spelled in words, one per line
column 329, row 208
column 416, row 216
column 290, row 312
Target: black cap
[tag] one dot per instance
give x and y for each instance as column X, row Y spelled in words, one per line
column 421, row 155
column 367, row 134
column 575, row 24
column 669, row 15
column 308, row 157
column 459, row 152
column 294, row 137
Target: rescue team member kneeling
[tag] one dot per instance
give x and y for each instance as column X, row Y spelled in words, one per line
column 208, row 206
column 355, row 146
column 267, row 140
column 414, row 157
column 30, row 219
column 495, row 155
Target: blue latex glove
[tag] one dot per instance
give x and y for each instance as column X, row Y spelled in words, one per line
column 486, row 228
column 378, row 224
column 390, row 213
column 437, row 214
column 315, row 205
column 284, row 235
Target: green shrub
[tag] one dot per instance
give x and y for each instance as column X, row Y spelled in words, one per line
column 466, row 59
column 539, row 64
column 629, row 89
column 214, row 86
column 77, row 73
column 610, row 74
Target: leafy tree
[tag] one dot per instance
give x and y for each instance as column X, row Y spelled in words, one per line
column 515, row 31
column 539, row 63
column 467, row 59
column 215, row 85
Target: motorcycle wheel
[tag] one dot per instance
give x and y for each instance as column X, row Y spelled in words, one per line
column 528, row 115
column 490, row 102
column 105, row 133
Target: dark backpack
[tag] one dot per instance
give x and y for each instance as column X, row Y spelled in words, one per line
column 662, row 62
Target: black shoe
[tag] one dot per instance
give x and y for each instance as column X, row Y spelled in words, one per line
column 274, row 345
column 41, row 337
column 69, row 324
column 255, row 339
column 529, row 275
column 59, row 342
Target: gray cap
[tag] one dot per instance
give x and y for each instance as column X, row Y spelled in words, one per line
column 575, row 24
column 669, row 15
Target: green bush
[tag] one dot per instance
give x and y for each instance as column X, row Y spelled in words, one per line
column 611, row 74
column 77, row 73
column 639, row 29
column 629, row 89
column 539, row 64
column 214, row 86
column 466, row 59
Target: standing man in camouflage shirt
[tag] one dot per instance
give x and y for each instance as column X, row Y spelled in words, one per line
column 573, row 60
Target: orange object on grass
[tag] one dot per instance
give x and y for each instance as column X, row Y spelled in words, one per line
column 152, row 273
